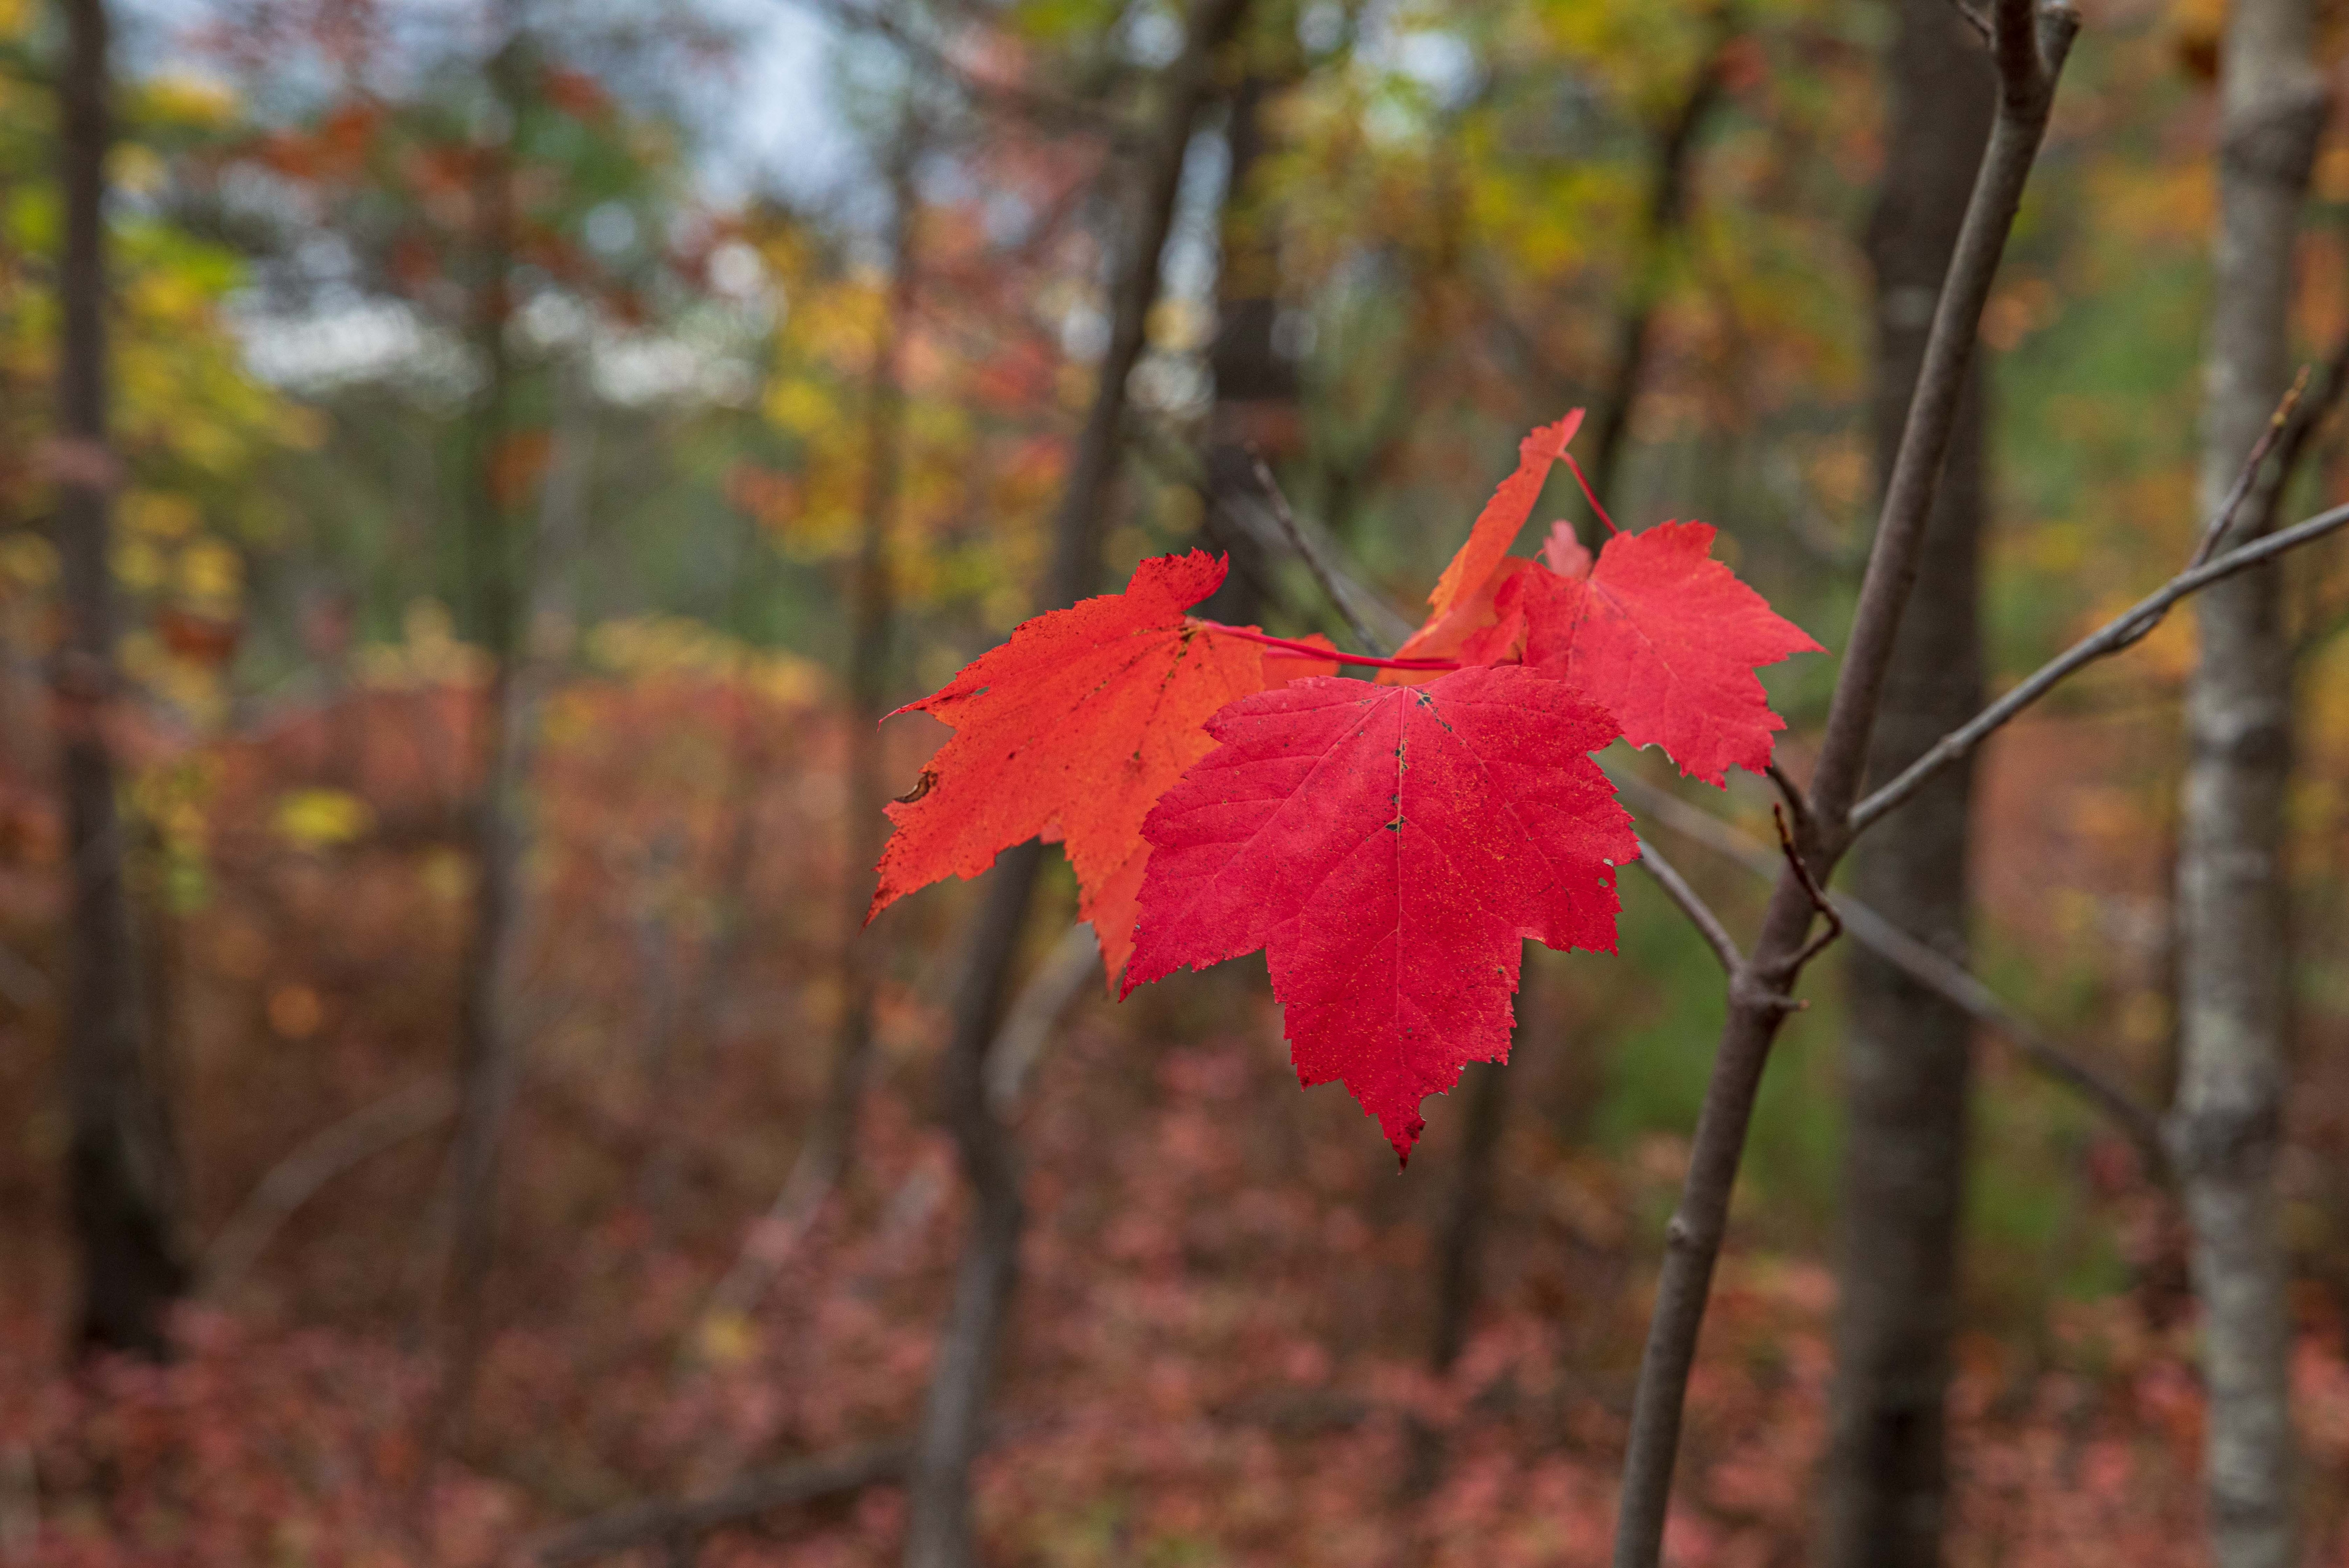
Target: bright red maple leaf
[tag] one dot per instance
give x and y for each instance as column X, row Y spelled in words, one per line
column 1662, row 635
column 1389, row 848
column 1071, row 731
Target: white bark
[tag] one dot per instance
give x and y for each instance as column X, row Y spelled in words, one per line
column 2233, row 959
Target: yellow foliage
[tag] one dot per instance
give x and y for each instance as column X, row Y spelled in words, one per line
column 28, row 561
column 138, row 565
column 428, row 655
column 799, row 406
column 676, row 645
column 185, row 99
column 160, row 514
column 210, row 571
column 322, row 818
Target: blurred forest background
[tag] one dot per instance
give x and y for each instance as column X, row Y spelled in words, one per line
column 528, row 487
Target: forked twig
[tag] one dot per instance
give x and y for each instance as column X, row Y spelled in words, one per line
column 2030, row 43
column 2216, row 529
column 1820, row 900
column 2129, row 626
column 1935, row 971
column 1798, row 801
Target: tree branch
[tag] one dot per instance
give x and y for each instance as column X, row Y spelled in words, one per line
column 2031, row 49
column 1927, row 967
column 1045, row 108
column 1819, row 896
column 2278, row 422
column 316, row 1161
column 787, row 1486
column 1700, row 913
column 2129, row 627
column 1952, row 983
column 1035, row 1012
column 1325, row 573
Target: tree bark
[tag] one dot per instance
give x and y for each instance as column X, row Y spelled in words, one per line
column 938, row 1531
column 1458, row 1249
column 1669, row 186
column 497, row 544
column 1255, row 410
column 872, row 599
column 2030, row 41
column 123, row 1171
column 2233, row 951
column 824, row 1158
column 1906, row 1056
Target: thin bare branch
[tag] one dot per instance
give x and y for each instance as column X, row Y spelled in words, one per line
column 1925, row 966
column 1973, row 18
column 1953, row 983
column 1798, row 801
column 2269, row 435
column 787, row 1486
column 1036, row 1012
column 1820, row 900
column 1339, row 592
column 316, row 1161
column 2129, row 627
column 2311, row 413
column 1708, row 925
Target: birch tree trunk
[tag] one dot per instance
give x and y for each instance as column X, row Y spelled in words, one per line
column 1906, row 1056
column 123, row 1174
column 2233, row 967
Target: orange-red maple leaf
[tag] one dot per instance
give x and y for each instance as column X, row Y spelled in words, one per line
column 1463, row 599
column 1071, row 731
column 1390, row 849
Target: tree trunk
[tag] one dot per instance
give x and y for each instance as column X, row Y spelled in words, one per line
column 1666, row 216
column 1485, row 1119
column 1906, row 1056
column 938, row 1529
column 874, row 609
column 1255, row 411
column 489, row 1063
column 1460, row 1247
column 123, row 1171
column 824, row 1158
column 2233, row 954
column 939, row 1526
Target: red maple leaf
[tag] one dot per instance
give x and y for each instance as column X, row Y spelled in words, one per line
column 1659, row 632
column 1071, row 731
column 1463, row 599
column 1389, row 848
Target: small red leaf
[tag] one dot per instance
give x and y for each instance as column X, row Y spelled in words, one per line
column 1390, row 849
column 1666, row 637
column 1070, row 730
